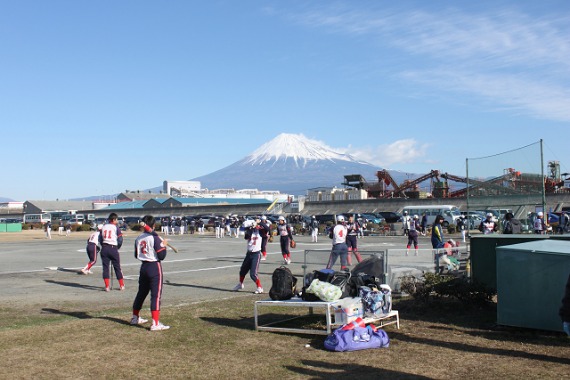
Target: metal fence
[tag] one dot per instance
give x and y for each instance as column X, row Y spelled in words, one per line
column 317, row 259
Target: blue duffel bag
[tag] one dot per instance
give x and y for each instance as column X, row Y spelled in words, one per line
column 358, row 338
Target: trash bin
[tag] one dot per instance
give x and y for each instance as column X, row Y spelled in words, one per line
column 531, row 278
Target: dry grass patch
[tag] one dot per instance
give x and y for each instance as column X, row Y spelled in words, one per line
column 216, row 340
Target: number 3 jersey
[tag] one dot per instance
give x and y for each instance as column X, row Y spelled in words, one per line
column 149, row 247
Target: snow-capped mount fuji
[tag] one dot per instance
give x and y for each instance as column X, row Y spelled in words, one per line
column 297, row 148
column 289, row 163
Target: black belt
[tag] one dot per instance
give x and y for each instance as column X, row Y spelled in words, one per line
column 110, row 245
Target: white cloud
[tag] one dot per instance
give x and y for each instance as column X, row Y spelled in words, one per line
column 517, row 62
column 406, row 151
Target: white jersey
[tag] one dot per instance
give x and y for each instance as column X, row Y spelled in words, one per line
column 283, row 229
column 146, row 247
column 254, row 242
column 110, row 233
column 406, row 219
column 94, row 238
column 339, row 234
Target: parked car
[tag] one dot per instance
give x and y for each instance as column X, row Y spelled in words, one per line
column 373, row 218
column 390, row 217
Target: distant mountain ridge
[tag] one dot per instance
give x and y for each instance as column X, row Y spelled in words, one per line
column 291, row 164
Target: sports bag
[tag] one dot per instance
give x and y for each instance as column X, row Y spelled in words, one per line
column 361, row 279
column 324, row 290
column 377, row 302
column 282, row 284
column 357, row 338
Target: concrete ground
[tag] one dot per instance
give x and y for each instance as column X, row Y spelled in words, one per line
column 42, row 273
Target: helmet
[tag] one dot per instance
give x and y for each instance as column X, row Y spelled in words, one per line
column 282, row 218
column 314, row 217
column 416, row 217
column 489, row 215
column 263, row 217
column 340, row 218
column 405, row 213
column 540, row 214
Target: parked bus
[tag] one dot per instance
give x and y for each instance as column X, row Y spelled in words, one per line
column 73, row 218
column 450, row 213
column 37, row 218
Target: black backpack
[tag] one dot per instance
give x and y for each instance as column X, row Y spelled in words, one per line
column 283, row 284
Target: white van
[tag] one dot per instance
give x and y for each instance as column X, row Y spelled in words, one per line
column 450, row 213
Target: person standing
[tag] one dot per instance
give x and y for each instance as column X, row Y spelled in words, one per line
column 462, row 227
column 68, row 229
column 488, row 226
column 437, row 239
column 48, row 229
column 164, row 226
column 285, row 238
column 539, row 225
column 150, row 249
column 265, row 233
column 563, row 223
column 406, row 221
column 314, row 226
column 252, row 258
column 339, row 247
column 92, row 249
column 218, row 227
column 423, row 223
column 351, row 240
column 60, row 228
column 360, row 225
column 413, row 235
column 111, row 239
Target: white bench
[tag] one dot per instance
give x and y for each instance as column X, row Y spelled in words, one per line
column 388, row 319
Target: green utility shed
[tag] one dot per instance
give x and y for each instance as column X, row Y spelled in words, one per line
column 531, row 278
column 10, row 227
column 483, row 254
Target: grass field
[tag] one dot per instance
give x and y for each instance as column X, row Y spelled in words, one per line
column 217, row 340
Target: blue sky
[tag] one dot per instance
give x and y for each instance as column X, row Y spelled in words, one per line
column 101, row 96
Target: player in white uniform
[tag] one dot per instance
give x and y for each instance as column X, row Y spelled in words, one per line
column 252, row 258
column 111, row 239
column 488, row 226
column 150, row 249
column 92, row 249
column 339, row 248
column 285, row 236
column 539, row 225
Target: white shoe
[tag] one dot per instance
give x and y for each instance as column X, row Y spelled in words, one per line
column 89, row 271
column 238, row 287
column 158, row 327
column 107, row 289
column 122, row 287
column 288, row 261
column 263, row 258
column 258, row 291
column 138, row 320
column 85, row 271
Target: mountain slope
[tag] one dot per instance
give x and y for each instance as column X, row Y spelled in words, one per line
column 291, row 164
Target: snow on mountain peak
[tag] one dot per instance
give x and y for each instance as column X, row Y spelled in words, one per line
column 297, row 147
